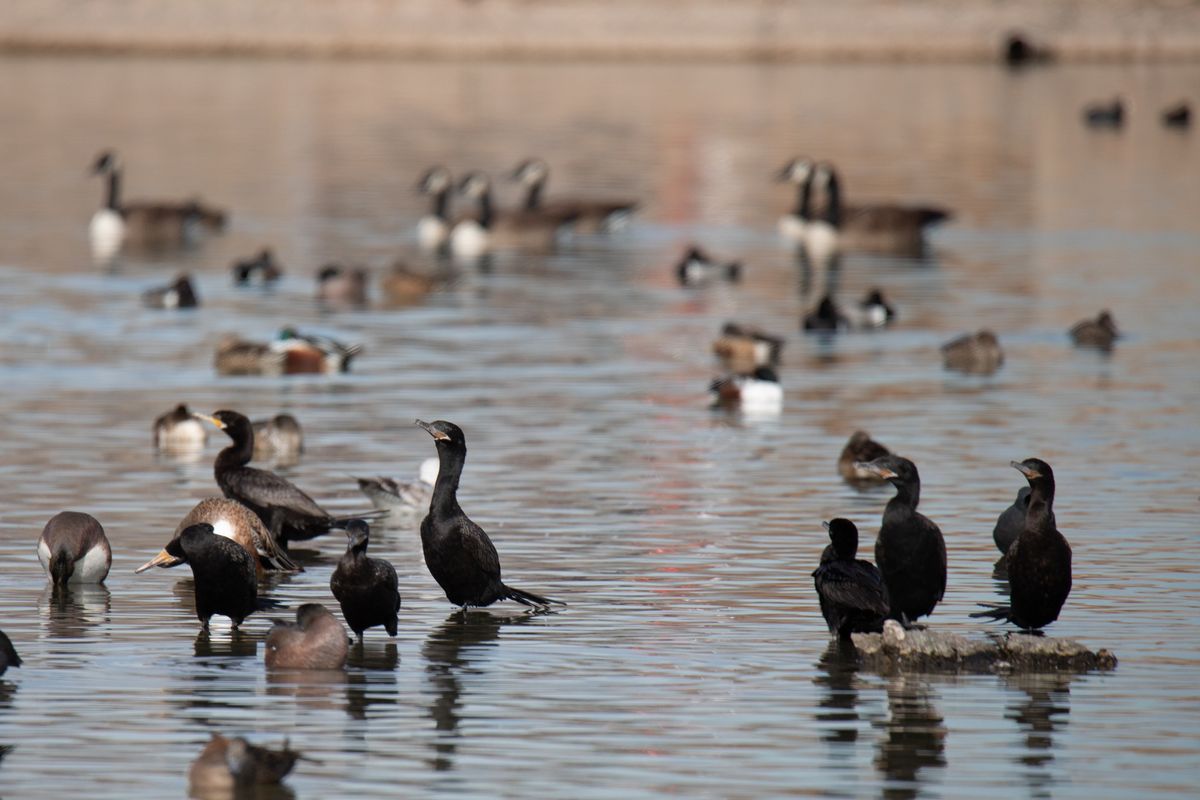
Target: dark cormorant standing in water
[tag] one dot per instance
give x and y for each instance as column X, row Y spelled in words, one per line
column 1010, row 523
column 224, row 574
column 8, row 654
column 366, row 588
column 910, row 550
column 460, row 556
column 289, row 513
column 853, row 596
column 1039, row 562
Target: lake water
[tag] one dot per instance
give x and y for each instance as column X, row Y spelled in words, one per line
column 691, row 660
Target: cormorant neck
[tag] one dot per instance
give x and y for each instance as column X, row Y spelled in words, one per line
column 237, row 454
column 1040, row 511
column 445, row 490
column 441, row 204
column 908, row 494
column 113, row 202
column 533, row 198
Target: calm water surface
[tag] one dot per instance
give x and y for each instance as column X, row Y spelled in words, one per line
column 691, row 660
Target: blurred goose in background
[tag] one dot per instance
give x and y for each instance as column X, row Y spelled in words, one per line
column 874, row 227
column 433, row 229
column 974, row 353
column 279, row 438
column 74, row 549
column 590, row 215
column 1105, row 115
column 388, row 494
column 1099, row 333
column 488, row 229
column 177, row 429
column 759, row 393
column 262, row 268
column 697, row 268
column 826, row 317
column 179, row 294
column 1177, row 116
column 227, row 767
column 143, row 223
column 742, row 348
column 859, row 450
column 234, row 521
column 799, row 172
column 338, row 285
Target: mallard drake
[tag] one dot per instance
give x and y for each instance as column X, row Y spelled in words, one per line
column 974, row 353
column 232, row 520
column 74, row 549
column 587, row 215
column 316, row 640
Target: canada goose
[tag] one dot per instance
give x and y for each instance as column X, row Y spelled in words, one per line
column 279, row 438
column 177, row 429
column 342, row 286
column 1099, row 333
column 1177, row 116
column 74, row 549
column 488, row 229
column 587, row 215
column 757, row 393
column 696, row 268
column 433, row 229
column 178, row 294
column 143, row 223
column 798, row 171
column 742, row 349
column 826, row 317
column 974, row 353
column 262, row 265
column 874, row 227
column 404, row 286
column 1105, row 115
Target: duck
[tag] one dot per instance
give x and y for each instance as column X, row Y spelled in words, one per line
column 910, row 550
column 876, row 227
column 1018, row 52
column 228, row 765
column 1039, row 561
column 279, row 437
column 388, row 494
column 1011, row 522
column 338, row 285
column 433, row 229
column 696, row 268
column 488, row 229
column 859, row 450
column 316, row 640
column 238, row 356
column 366, row 588
column 261, row 267
column 976, row 353
column 404, row 286
column 1099, row 333
column 148, row 224
column 742, row 348
column 794, row 224
column 177, row 430
column 231, row 520
column 826, row 317
column 759, row 393
column 874, row 311
column 8, row 654
column 313, row 353
column 585, row 215
column 852, row 593
column 223, row 573
column 1177, row 116
column 288, row 512
column 73, row 549
column 178, row 294
column 458, row 553
column 1105, row 115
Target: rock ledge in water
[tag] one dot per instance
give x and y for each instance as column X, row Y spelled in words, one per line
column 898, row 650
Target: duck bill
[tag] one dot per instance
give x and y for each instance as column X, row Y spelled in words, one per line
column 206, row 418
column 163, row 559
column 432, row 431
column 1028, row 472
column 874, row 469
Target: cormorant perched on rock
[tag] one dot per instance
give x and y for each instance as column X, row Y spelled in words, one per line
column 366, row 588
column 223, row 572
column 853, row 596
column 1039, row 562
column 459, row 554
column 1010, row 523
column 910, row 550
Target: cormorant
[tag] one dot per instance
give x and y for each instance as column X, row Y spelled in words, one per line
column 366, row 588
column 1010, row 523
column 223, row 572
column 853, row 596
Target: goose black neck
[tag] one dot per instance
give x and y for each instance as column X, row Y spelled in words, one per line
column 803, row 208
column 451, row 459
column 533, row 197
column 239, row 453
column 113, row 202
column 833, row 200
column 485, row 208
column 440, row 207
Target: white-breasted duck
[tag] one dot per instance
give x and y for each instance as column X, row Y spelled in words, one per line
column 388, row 494
column 178, row 430
column 759, row 393
column 697, row 268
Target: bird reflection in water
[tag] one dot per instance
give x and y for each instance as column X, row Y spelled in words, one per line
column 69, row 611
column 229, row 644
column 1039, row 708
column 914, row 740
column 838, row 717
column 452, row 654
column 371, row 677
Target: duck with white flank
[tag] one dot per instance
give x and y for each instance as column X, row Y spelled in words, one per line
column 179, row 430
column 696, row 268
column 759, row 393
column 178, row 294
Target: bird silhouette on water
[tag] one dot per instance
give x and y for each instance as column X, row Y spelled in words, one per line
column 459, row 554
column 1039, row 561
column 854, row 598
column 8, row 654
column 366, row 588
column 910, row 550
column 1011, row 522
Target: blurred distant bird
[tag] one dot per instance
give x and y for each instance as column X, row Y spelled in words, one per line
column 366, row 588
column 278, row 438
column 338, row 285
column 1019, row 51
column 74, row 549
column 179, row 294
column 390, row 495
column 852, row 593
column 874, row 311
column 237, row 356
column 798, row 172
column 433, row 229
column 1105, row 115
column 826, row 317
column 313, row 352
column 262, row 268
column 177, row 429
column 974, row 353
column 587, row 215
column 488, row 229
column 696, row 268
column 742, row 348
column 226, row 767
column 404, row 286
column 1100, row 333
column 759, row 393
column 859, row 450
column 1177, row 116
column 8, row 654
column 316, row 640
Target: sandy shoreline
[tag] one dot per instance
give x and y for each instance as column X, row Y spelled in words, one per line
column 767, row 30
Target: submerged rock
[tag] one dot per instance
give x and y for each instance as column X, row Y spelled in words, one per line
column 897, row 650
